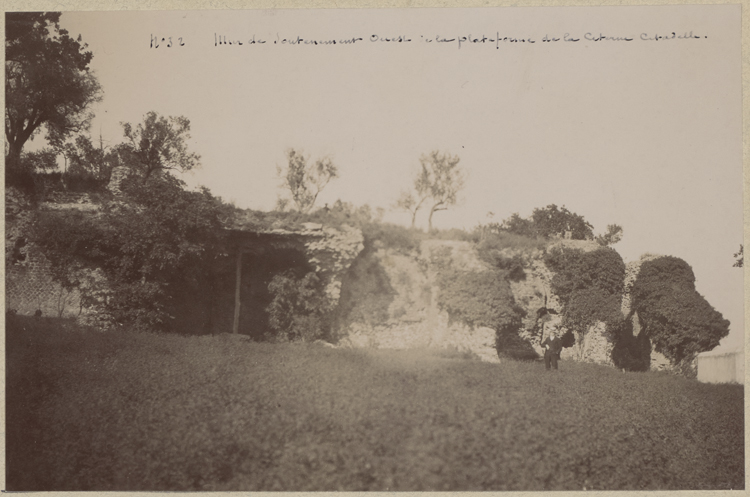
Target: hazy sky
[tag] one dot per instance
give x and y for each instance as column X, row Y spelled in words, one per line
column 642, row 133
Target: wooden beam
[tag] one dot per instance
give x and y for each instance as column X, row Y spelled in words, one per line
column 238, row 282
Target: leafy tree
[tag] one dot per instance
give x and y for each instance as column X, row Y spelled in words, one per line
column 305, row 181
column 40, row 160
column 611, row 236
column 678, row 320
column 158, row 145
column 47, row 81
column 739, row 258
column 589, row 286
column 438, row 182
column 83, row 158
column 518, row 225
column 443, row 179
column 552, row 221
column 408, row 202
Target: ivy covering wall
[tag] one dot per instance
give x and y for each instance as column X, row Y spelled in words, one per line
column 678, row 320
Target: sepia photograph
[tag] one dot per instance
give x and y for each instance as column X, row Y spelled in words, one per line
column 374, row 249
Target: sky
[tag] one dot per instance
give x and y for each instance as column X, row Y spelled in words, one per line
column 643, row 133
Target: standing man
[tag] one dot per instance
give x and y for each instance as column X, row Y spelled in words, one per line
column 552, row 347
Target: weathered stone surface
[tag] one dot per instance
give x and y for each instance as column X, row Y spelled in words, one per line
column 409, row 317
column 331, row 255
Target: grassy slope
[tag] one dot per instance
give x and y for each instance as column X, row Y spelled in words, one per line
column 124, row 411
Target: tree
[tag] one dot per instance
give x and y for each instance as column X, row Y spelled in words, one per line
column 407, row 202
column 40, row 160
column 157, row 145
column 305, row 181
column 47, row 81
column 739, row 258
column 439, row 180
column 553, row 221
column 611, row 236
column 677, row 319
column 518, row 225
column 83, row 158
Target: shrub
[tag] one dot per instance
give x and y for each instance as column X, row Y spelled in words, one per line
column 589, row 285
column 452, row 234
column 392, row 236
column 300, row 310
column 157, row 238
column 388, row 235
column 678, row 320
column 504, row 250
column 479, row 299
column 549, row 222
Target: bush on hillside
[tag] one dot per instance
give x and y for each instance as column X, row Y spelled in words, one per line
column 678, row 320
column 505, row 250
column 550, row 222
column 300, row 310
column 589, row 286
column 157, row 238
column 479, row 299
column 393, row 236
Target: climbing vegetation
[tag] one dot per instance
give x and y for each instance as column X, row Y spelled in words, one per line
column 678, row 320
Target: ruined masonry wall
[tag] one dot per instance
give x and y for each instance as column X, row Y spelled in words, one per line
column 29, row 287
column 332, row 254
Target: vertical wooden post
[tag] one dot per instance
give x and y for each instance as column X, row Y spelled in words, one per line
column 238, row 282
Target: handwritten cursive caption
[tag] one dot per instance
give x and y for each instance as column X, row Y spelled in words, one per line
column 497, row 40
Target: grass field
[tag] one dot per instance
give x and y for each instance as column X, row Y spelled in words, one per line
column 124, row 411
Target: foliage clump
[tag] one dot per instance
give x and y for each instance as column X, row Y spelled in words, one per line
column 679, row 321
column 299, row 310
column 48, row 84
column 156, row 240
column 506, row 251
column 549, row 222
column 479, row 299
column 589, row 286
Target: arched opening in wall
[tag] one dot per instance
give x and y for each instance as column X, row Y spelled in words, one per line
column 632, row 349
column 568, row 339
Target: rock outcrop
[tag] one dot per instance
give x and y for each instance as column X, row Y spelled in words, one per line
column 390, row 301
